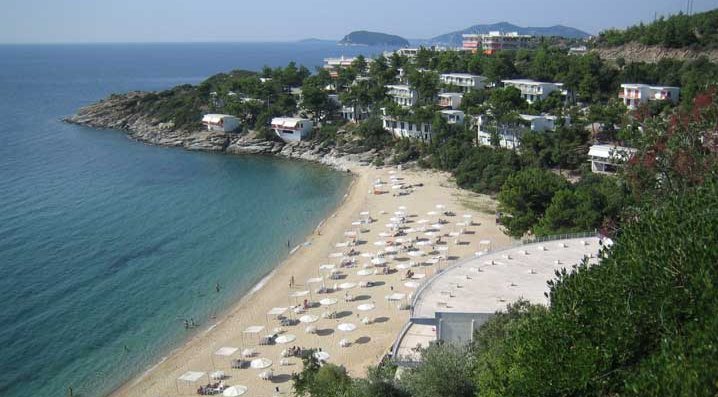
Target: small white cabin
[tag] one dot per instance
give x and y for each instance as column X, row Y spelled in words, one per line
column 292, row 129
column 606, row 159
column 220, row 122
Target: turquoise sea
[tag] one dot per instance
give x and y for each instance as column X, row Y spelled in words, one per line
column 106, row 244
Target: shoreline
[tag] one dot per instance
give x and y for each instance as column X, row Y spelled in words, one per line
column 197, row 352
column 238, row 305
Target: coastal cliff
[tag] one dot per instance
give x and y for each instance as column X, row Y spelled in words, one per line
column 121, row 112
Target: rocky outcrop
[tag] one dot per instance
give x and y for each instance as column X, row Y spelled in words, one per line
column 634, row 52
column 121, row 112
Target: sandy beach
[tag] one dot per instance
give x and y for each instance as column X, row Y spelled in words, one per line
column 464, row 233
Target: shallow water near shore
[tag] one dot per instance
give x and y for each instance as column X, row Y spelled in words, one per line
column 107, row 245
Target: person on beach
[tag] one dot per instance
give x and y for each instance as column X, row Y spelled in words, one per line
column 291, row 282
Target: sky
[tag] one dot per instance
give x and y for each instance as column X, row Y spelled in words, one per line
column 72, row 21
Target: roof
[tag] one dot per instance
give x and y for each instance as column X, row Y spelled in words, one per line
column 215, row 118
column 530, row 117
column 526, row 81
column 452, row 111
column 463, row 75
column 399, row 86
column 451, row 94
column 488, row 283
column 611, row 152
column 287, row 121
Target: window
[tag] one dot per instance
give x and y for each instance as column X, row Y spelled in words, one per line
column 402, row 125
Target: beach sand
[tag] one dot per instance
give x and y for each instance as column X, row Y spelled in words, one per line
column 369, row 342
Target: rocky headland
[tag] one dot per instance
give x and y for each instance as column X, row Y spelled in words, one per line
column 119, row 112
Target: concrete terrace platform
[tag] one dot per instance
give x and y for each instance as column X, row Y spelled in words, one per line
column 488, row 283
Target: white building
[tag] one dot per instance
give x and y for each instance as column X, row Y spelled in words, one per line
column 606, row 159
column 351, row 114
column 495, row 41
column 406, row 129
column 634, row 95
column 532, row 90
column 402, row 94
column 450, row 100
column 465, row 81
column 453, row 116
column 510, row 134
column 220, row 122
column 292, row 129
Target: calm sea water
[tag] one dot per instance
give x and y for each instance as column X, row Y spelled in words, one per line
column 107, row 244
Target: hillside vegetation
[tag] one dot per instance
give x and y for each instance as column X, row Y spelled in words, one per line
column 698, row 31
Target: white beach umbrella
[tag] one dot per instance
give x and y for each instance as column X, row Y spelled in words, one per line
column 397, row 186
column 356, row 223
column 308, row 318
column 422, row 221
column 396, row 296
column 391, row 225
column 365, row 272
column 380, row 243
column 327, row 267
column 217, row 375
column 402, row 240
column 430, row 234
column 418, row 276
column 364, row 213
column 384, row 234
column 437, row 226
column 340, row 245
column 347, row 285
column 234, row 391
column 321, row 356
column 440, row 206
column 402, row 208
column 299, row 294
column 391, row 249
column 365, row 307
column 260, row 363
column 467, row 216
column 432, row 213
column 366, row 255
column 411, row 284
column 403, row 266
column 315, row 280
column 442, row 248
column 422, row 243
column 328, row 302
column 336, row 254
column 346, row 327
column 285, row 338
column 399, row 213
column 416, row 254
column 378, row 261
column 410, row 230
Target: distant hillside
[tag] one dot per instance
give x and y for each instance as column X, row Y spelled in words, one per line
column 364, row 37
column 698, row 31
column 454, row 38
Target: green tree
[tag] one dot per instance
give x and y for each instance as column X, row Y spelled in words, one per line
column 445, row 370
column 525, row 196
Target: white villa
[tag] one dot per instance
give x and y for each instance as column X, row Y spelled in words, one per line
column 465, row 81
column 220, row 122
column 450, row 100
column 349, row 113
column 510, row 135
column 532, row 90
column 405, row 129
column 634, row 95
column 606, row 159
column 292, row 129
column 402, row 94
column 453, row 116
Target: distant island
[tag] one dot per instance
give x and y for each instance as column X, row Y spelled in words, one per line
column 455, row 38
column 363, row 37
